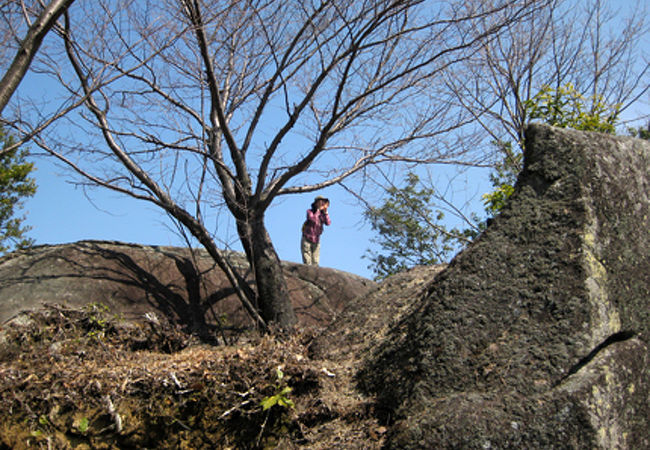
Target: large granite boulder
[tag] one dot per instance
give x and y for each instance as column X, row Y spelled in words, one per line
column 536, row 336
column 184, row 286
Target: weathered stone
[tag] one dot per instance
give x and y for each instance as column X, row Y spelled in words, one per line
column 132, row 279
column 366, row 319
column 536, row 336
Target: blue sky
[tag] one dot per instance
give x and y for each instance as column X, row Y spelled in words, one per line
column 60, row 212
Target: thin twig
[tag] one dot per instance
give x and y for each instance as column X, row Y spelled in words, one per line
column 259, row 437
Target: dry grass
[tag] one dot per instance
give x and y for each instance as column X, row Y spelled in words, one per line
column 83, row 379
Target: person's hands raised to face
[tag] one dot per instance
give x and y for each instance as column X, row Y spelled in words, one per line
column 323, row 206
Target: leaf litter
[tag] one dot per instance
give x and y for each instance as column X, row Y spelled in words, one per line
column 83, row 378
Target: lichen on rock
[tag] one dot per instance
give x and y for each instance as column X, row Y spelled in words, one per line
column 542, row 321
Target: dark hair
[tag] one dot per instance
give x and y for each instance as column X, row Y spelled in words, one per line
column 314, row 205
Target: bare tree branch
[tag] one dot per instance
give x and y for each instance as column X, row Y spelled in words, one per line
column 193, row 104
column 28, row 48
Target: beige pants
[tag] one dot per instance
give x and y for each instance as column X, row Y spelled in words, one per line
column 310, row 252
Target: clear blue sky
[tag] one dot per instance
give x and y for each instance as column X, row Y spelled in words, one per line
column 63, row 213
column 60, row 212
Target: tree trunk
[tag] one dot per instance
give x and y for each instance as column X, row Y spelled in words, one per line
column 29, row 47
column 273, row 294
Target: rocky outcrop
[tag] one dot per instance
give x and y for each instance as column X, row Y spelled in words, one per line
column 536, row 336
column 365, row 320
column 134, row 279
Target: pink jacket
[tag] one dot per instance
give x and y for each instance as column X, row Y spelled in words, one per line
column 314, row 226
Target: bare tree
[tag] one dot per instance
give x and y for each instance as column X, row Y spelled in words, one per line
column 192, row 105
column 29, row 47
column 585, row 43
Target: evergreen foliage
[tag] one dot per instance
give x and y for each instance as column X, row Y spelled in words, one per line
column 409, row 230
column 503, row 178
column 15, row 186
column 567, row 108
column 641, row 132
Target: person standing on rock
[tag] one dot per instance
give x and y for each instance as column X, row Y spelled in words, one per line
column 317, row 217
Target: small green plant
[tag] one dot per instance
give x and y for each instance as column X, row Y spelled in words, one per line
column 41, row 430
column 83, row 425
column 43, row 426
column 97, row 311
column 280, row 397
column 565, row 107
column 97, row 321
column 495, row 201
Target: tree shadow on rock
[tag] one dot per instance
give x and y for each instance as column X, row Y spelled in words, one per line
column 130, row 279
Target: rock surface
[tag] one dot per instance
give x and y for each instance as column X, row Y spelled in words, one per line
column 537, row 334
column 134, row 279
